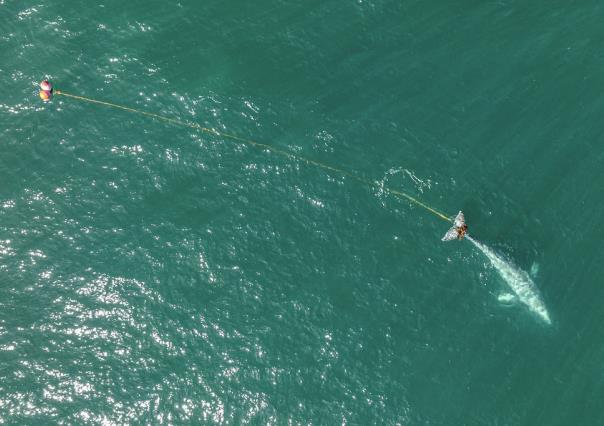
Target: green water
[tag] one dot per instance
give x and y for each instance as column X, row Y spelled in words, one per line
column 152, row 274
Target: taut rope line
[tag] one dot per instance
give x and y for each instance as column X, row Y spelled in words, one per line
column 260, row 145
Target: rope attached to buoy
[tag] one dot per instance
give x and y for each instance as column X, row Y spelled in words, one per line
column 287, row 154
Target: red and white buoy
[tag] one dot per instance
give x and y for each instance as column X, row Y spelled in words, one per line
column 46, row 90
column 46, row 85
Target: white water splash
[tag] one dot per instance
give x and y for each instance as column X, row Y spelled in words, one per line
column 519, row 281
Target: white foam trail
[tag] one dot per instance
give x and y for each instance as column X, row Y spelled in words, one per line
column 519, row 281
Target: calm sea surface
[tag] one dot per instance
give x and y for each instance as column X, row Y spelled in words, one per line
column 155, row 274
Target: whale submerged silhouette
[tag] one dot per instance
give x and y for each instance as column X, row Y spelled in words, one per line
column 518, row 280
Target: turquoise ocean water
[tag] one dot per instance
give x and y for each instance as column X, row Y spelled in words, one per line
column 153, row 274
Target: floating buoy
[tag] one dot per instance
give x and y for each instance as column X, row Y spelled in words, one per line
column 46, row 85
column 46, row 92
column 45, row 95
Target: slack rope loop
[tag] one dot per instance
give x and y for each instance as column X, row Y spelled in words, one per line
column 271, row 148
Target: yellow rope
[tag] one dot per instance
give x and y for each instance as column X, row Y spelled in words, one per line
column 261, row 145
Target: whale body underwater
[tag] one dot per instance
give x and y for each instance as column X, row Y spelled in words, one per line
column 518, row 280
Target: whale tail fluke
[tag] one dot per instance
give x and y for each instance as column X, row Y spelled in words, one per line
column 458, row 230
